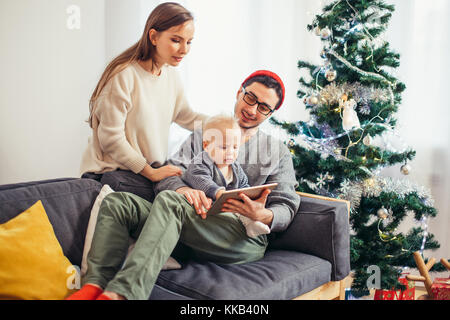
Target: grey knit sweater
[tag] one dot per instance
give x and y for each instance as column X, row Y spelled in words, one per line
column 264, row 159
column 203, row 174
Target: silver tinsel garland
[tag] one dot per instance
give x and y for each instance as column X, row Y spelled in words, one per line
column 332, row 93
column 353, row 191
column 372, row 187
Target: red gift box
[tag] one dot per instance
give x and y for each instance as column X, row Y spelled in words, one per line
column 441, row 289
column 407, row 294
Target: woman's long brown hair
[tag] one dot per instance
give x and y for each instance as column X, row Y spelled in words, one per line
column 163, row 17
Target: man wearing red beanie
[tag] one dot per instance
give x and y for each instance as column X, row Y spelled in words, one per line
column 252, row 90
column 179, row 214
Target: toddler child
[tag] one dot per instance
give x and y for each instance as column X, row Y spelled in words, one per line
column 215, row 169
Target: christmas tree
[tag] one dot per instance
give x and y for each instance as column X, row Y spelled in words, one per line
column 352, row 99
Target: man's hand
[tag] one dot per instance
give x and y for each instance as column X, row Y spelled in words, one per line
column 198, row 199
column 219, row 193
column 253, row 209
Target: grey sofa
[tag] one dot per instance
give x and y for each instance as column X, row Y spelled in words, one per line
column 313, row 251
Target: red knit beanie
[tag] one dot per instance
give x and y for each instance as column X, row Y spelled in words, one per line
column 271, row 75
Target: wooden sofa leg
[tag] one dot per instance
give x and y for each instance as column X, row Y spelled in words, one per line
column 343, row 284
column 342, row 290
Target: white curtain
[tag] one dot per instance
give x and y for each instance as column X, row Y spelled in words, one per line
column 419, row 32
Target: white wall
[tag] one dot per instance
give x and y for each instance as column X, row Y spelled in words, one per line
column 48, row 73
column 120, row 34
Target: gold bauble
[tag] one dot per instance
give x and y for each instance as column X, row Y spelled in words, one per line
column 317, row 31
column 382, row 213
column 367, row 141
column 331, row 75
column 312, row 100
column 405, row 169
column 325, row 33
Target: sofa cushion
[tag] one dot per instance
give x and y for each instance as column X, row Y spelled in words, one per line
column 68, row 205
column 32, row 263
column 106, row 189
column 279, row 275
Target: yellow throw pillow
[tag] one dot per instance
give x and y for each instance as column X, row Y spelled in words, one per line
column 32, row 263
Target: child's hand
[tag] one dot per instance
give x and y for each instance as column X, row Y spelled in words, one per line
column 164, row 172
column 198, row 199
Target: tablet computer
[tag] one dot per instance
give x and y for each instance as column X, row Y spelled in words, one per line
column 251, row 192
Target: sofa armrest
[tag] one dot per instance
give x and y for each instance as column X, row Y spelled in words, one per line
column 320, row 228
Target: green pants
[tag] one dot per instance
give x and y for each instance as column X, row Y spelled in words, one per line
column 158, row 227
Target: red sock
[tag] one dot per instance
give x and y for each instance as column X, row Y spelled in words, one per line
column 103, row 297
column 87, row 292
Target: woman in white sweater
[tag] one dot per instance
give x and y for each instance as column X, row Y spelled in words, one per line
column 137, row 98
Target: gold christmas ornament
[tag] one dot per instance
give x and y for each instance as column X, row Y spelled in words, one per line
column 385, row 237
column 325, row 33
column 312, row 100
column 367, row 141
column 382, row 213
column 317, row 31
column 405, row 169
column 331, row 75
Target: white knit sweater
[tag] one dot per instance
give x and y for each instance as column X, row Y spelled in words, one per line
column 131, row 120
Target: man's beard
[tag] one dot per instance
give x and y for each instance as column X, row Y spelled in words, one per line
column 248, row 127
column 243, row 126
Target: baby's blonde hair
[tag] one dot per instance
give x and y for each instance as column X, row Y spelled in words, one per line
column 218, row 125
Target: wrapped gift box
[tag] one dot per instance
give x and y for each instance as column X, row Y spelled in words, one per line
column 410, row 291
column 407, row 294
column 385, row 295
column 441, row 289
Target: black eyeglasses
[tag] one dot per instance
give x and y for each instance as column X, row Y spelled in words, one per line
column 251, row 100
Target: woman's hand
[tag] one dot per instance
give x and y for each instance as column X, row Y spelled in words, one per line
column 198, row 199
column 165, row 172
column 253, row 209
column 160, row 173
